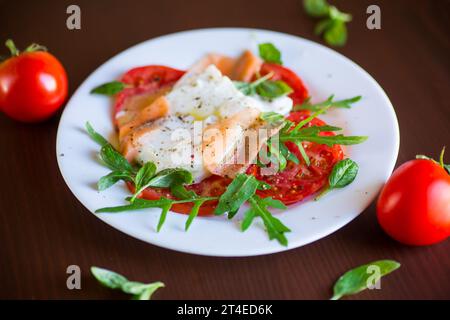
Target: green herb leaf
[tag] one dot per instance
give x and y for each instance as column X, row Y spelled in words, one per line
column 344, row 172
column 336, row 34
column 114, row 160
column 168, row 177
column 113, row 280
column 273, row 117
column 356, row 280
column 275, row 228
column 333, row 25
column 345, row 103
column 269, row 53
column 97, row 137
column 110, row 179
column 110, row 88
column 327, row 140
column 145, row 174
column 249, row 88
column 237, row 192
column 109, row 279
column 316, row 8
column 273, row 89
column 194, row 212
column 143, row 178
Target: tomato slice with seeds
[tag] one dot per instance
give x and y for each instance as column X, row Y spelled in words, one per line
column 290, row 77
column 213, row 186
column 299, row 181
column 145, row 80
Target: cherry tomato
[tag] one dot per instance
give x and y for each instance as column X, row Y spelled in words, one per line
column 298, row 181
column 282, row 73
column 33, row 84
column 414, row 205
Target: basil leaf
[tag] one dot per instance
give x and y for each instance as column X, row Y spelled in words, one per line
column 110, row 88
column 273, row 89
column 356, row 280
column 237, row 192
column 167, row 177
column 336, row 34
column 108, row 278
column 343, row 173
column 322, row 26
column 110, row 179
column 148, row 291
column 113, row 280
column 316, row 8
column 97, row 137
column 114, row 160
column 269, row 53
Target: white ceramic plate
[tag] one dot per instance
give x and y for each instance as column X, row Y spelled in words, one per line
column 324, row 72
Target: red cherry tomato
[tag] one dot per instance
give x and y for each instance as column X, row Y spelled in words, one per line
column 33, row 85
column 414, row 205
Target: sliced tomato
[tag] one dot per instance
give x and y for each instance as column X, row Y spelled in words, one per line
column 212, row 186
column 290, row 77
column 299, row 181
column 147, row 79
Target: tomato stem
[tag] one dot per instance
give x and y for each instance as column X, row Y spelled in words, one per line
column 441, row 157
column 12, row 48
column 35, row 47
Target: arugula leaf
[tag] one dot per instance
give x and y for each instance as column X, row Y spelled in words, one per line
column 269, row 53
column 167, row 177
column 345, row 103
column 143, row 178
column 97, row 137
column 114, row 160
column 113, row 280
column 279, row 153
column 249, row 88
column 344, row 172
column 274, row 227
column 316, row 8
column 111, row 178
column 327, row 140
column 109, row 88
column 273, row 89
column 194, row 212
column 356, row 280
column 238, row 191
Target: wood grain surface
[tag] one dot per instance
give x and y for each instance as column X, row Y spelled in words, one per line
column 43, row 228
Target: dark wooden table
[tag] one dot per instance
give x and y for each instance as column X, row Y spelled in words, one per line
column 43, row 228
